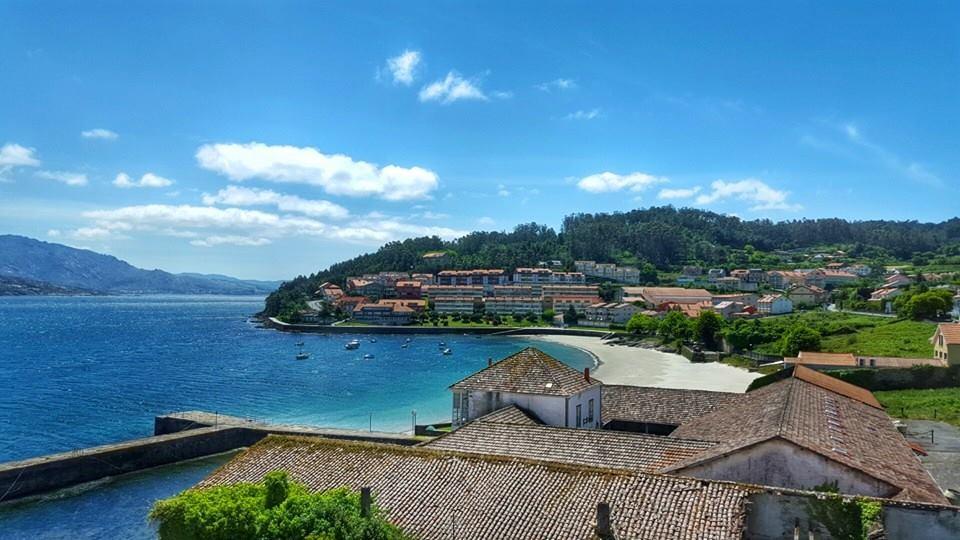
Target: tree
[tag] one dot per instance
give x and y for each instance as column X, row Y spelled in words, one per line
column 924, row 305
column 275, row 509
column 642, row 324
column 707, row 328
column 799, row 338
column 675, row 326
column 548, row 315
column 570, row 317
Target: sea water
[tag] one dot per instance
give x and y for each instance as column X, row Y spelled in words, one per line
column 83, row 371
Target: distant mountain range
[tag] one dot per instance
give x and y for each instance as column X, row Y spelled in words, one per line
column 29, row 266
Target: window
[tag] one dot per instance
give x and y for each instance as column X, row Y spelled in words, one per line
column 590, row 412
column 579, row 415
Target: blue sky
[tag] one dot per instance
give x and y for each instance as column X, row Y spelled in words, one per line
column 266, row 139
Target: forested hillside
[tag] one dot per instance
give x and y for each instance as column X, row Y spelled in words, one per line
column 664, row 237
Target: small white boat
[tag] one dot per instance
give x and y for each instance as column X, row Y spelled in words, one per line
column 443, row 344
column 303, row 355
column 405, row 345
column 447, row 351
column 299, row 344
column 368, row 356
column 351, row 345
column 408, row 340
column 373, row 340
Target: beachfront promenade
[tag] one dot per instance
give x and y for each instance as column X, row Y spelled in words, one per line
column 177, row 437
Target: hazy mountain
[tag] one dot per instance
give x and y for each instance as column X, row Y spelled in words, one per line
column 56, row 265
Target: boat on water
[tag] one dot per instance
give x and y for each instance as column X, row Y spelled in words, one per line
column 443, row 344
column 368, row 356
column 447, row 351
column 299, row 344
column 405, row 345
column 352, row 344
column 303, row 355
column 373, row 340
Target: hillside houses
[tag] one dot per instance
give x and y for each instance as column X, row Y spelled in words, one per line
column 806, row 295
column 946, row 343
column 609, row 271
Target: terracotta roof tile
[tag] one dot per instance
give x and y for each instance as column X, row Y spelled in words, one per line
column 822, row 417
column 667, row 406
column 530, row 371
column 575, row 446
column 428, row 492
column 951, row 333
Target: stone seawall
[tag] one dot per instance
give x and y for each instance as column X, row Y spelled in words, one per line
column 178, row 437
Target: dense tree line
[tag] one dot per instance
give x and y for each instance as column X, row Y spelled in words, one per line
column 659, row 237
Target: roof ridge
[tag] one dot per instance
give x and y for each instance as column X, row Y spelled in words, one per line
column 786, row 406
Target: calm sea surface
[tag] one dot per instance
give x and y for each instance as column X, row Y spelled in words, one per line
column 77, row 372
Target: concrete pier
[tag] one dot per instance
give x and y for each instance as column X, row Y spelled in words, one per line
column 177, row 437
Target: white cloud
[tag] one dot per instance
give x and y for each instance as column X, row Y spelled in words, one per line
column 682, row 193
column 432, row 215
column 750, row 190
column 503, row 191
column 854, row 145
column 90, row 233
column 99, row 133
column 148, row 180
column 13, row 155
column 240, row 196
column 186, row 220
column 607, row 181
column 66, row 177
column 53, row 233
column 337, row 174
column 403, row 67
column 583, row 115
column 452, row 88
column 910, row 169
column 232, row 240
column 558, row 84
column 486, row 221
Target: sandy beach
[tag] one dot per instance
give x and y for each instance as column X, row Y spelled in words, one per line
column 644, row 367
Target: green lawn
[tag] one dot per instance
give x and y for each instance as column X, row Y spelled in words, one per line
column 936, row 404
column 906, row 339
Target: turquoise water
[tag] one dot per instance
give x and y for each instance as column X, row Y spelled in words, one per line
column 78, row 372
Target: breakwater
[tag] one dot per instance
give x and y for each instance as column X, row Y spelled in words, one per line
column 177, row 437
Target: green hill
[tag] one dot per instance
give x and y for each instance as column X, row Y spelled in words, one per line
column 662, row 237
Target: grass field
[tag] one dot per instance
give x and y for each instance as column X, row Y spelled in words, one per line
column 906, row 339
column 936, row 404
column 859, row 334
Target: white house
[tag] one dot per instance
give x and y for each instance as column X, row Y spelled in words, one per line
column 774, row 304
column 541, row 385
column 956, row 306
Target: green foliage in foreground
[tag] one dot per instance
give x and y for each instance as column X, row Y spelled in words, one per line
column 850, row 519
column 275, row 509
column 934, row 404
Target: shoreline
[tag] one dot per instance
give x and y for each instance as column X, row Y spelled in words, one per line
column 637, row 366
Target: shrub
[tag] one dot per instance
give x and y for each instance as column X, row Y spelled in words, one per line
column 275, row 509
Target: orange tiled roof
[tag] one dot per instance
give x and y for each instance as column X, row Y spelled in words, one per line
column 950, row 332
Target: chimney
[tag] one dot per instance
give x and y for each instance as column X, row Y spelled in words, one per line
column 489, row 362
column 365, row 501
column 586, row 374
column 604, row 528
